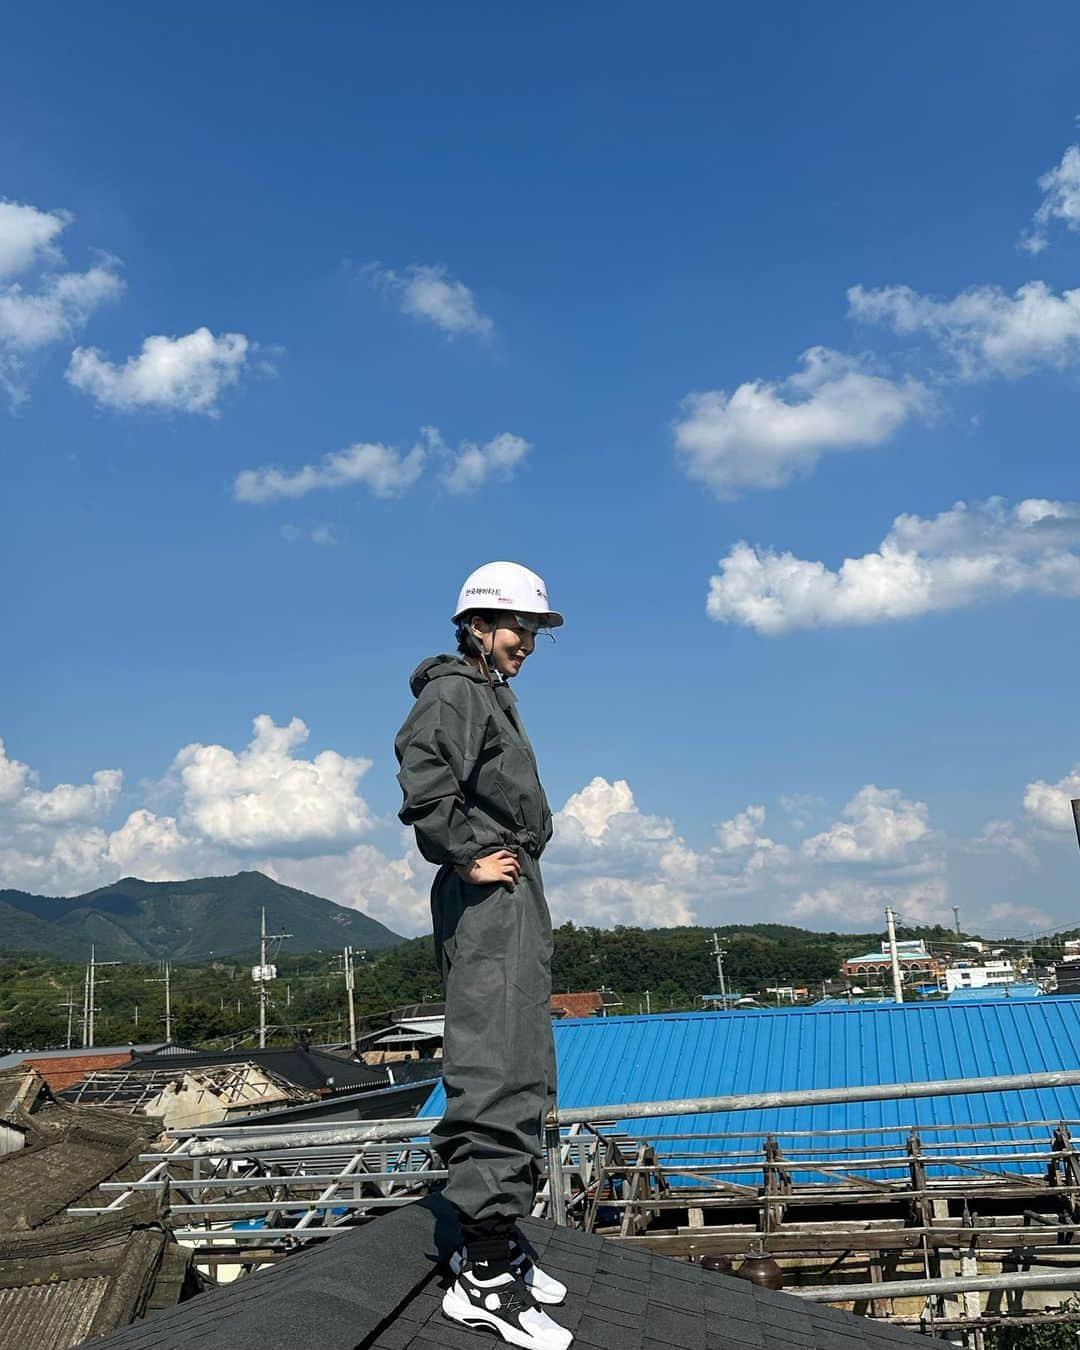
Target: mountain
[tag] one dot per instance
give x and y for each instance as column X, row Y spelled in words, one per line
column 194, row 920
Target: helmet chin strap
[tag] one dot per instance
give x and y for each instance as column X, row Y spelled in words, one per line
column 492, row 676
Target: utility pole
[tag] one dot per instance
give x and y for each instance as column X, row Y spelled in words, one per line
column 264, row 972
column 70, row 1006
column 956, row 916
column 718, row 952
column 350, row 986
column 894, row 956
column 86, row 1004
column 91, row 983
column 164, row 979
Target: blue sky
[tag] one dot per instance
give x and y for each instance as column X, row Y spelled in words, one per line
column 607, row 239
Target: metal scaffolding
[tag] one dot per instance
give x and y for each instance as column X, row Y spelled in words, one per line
column 948, row 1227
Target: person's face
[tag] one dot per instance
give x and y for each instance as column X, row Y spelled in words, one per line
column 506, row 645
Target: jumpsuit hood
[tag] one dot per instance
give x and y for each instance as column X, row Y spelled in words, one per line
column 438, row 667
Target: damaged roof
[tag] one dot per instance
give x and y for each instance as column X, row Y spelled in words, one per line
column 68, row 1151
column 78, row 1279
column 316, row 1070
column 379, row 1287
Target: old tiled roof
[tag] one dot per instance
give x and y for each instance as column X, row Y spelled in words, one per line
column 379, row 1287
column 576, row 1005
column 68, row 1152
column 78, row 1279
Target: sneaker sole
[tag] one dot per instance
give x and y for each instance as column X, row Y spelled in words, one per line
column 461, row 1311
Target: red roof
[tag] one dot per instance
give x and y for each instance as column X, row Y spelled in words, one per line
column 576, row 1005
column 62, row 1072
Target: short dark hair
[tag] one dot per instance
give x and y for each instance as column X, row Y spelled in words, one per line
column 465, row 644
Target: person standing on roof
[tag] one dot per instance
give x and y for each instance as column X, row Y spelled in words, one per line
column 473, row 796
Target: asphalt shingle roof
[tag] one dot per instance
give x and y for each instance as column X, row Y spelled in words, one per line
column 379, row 1287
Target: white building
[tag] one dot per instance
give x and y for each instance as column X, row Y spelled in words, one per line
column 963, row 976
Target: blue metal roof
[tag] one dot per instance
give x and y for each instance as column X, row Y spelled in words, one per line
column 1014, row 990
column 705, row 1054
column 855, row 1002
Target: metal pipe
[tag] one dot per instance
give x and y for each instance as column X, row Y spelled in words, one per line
column 359, row 1133
column 870, row 1092
column 372, row 1131
column 961, row 1284
column 556, row 1182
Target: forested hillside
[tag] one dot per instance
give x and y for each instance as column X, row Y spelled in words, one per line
column 214, row 1000
column 193, row 920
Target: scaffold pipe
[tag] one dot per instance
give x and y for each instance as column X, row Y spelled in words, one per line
column 960, row 1284
column 237, row 1142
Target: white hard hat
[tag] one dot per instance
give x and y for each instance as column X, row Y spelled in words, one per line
column 506, row 585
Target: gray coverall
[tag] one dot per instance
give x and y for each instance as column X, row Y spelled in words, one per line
column 470, row 785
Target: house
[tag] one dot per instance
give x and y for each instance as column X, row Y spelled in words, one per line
column 962, row 975
column 595, row 1003
column 61, row 1068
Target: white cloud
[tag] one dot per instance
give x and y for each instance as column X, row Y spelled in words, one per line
column 1004, row 836
column 54, row 304
column 184, row 374
column 302, row 819
column 1049, row 804
column 154, row 848
column 15, row 778
column 1061, row 201
column 473, row 465
column 386, row 471
column 743, row 831
column 66, row 803
column 766, row 433
column 324, row 535
column 986, row 331
column 266, row 800
column 878, row 825
column 1007, row 916
column 28, row 236
column 428, row 292
column 261, row 806
column 60, row 805
column 847, row 902
column 961, row 557
column 29, row 320
column 395, row 890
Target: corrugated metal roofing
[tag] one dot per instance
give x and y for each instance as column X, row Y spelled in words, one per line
column 851, row 1003
column 1015, row 990
column 627, row 1059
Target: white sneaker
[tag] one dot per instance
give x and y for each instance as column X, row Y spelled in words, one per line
column 501, row 1303
column 544, row 1288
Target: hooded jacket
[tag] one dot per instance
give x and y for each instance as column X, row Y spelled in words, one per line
column 468, row 772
